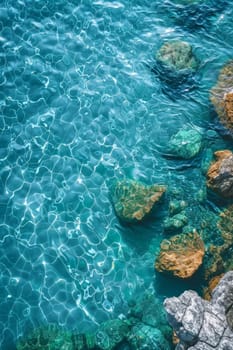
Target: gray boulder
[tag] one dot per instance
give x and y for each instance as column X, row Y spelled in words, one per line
column 200, row 324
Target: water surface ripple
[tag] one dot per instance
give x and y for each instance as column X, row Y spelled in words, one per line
column 79, row 108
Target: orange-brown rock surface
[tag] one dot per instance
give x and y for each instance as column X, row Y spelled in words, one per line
column 221, row 95
column 220, row 174
column 218, row 258
column 211, row 285
column 133, row 200
column 181, row 255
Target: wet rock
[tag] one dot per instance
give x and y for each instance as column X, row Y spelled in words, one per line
column 177, row 56
column 83, row 341
column 175, row 66
column 111, row 333
column 211, row 285
column 181, row 255
column 186, row 143
column 149, row 310
column 146, row 337
column 47, row 338
column 218, row 258
column 176, row 206
column 220, row 174
column 175, row 222
column 133, row 200
column 221, row 95
column 200, row 324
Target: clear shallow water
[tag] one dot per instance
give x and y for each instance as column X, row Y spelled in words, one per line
column 80, row 108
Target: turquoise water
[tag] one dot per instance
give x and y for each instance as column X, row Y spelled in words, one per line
column 80, row 108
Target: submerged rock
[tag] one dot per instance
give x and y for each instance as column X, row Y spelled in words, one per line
column 176, row 206
column 218, row 258
column 175, row 222
column 221, row 95
column 211, row 285
column 133, row 200
column 186, row 143
column 111, row 333
column 181, row 255
column 149, row 311
column 203, row 325
column 146, row 337
column 175, row 66
column 177, row 56
column 47, row 338
column 220, row 174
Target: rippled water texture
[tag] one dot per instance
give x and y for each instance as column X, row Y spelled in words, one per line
column 81, row 108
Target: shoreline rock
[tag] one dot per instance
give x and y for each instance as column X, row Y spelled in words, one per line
column 200, row 324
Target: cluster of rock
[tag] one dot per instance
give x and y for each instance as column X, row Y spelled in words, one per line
column 201, row 324
column 145, row 327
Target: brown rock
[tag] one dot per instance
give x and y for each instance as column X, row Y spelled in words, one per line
column 212, row 284
column 181, row 255
column 221, row 95
column 133, row 200
column 220, row 174
column 218, row 259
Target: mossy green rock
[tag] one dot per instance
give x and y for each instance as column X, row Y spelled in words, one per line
column 186, row 143
column 150, row 311
column 47, row 338
column 111, row 333
column 176, row 206
column 175, row 222
column 147, row 337
column 133, row 200
column 177, row 56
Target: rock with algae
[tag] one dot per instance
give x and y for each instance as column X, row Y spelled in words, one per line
column 107, row 336
column 149, row 310
column 203, row 325
column 218, row 258
column 221, row 95
column 181, row 255
column 220, row 174
column 111, row 333
column 146, row 337
column 47, row 338
column 176, row 206
column 177, row 56
column 133, row 200
column 186, row 143
column 175, row 222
